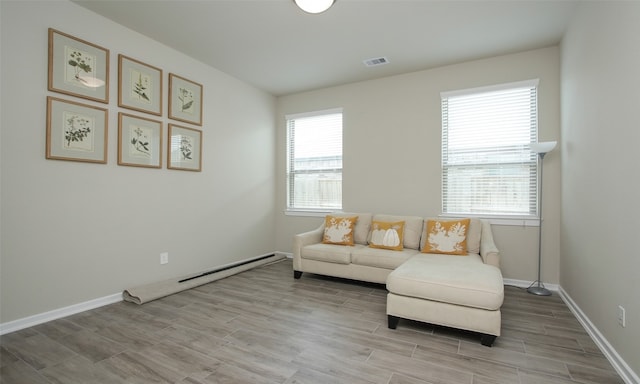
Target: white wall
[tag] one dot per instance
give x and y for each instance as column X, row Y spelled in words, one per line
column 72, row 232
column 600, row 184
column 392, row 132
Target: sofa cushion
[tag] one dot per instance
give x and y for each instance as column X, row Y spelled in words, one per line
column 446, row 236
column 412, row 228
column 381, row 258
column 329, row 253
column 456, row 280
column 474, row 233
column 339, row 230
column 387, row 235
column 362, row 227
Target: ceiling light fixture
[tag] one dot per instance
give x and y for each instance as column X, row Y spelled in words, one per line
column 314, row 6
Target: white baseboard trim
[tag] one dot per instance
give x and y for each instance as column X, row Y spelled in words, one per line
column 526, row 284
column 623, row 369
column 40, row 318
column 288, row 255
column 55, row 314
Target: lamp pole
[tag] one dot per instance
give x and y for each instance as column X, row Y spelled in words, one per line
column 537, row 287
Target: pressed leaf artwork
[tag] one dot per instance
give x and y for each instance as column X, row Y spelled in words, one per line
column 185, row 96
column 186, row 148
column 140, row 141
column 78, row 132
column 75, row 131
column 185, row 100
column 80, row 67
column 77, row 67
column 141, row 86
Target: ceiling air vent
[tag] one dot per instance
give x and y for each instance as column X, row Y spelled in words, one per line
column 376, row 61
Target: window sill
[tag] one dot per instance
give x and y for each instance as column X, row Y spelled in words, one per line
column 528, row 221
column 302, row 213
column 494, row 220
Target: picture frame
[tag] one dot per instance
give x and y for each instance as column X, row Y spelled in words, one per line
column 77, row 67
column 184, row 148
column 76, row 131
column 139, row 86
column 185, row 100
column 139, row 141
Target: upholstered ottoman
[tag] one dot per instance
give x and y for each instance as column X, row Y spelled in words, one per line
column 454, row 291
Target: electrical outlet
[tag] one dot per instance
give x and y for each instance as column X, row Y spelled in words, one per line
column 164, row 257
column 622, row 316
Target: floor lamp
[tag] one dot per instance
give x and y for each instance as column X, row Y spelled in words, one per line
column 537, row 287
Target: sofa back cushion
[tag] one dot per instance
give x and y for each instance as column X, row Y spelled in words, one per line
column 412, row 228
column 362, row 227
column 474, row 233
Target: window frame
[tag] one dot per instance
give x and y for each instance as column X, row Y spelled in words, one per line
column 530, row 219
column 290, row 174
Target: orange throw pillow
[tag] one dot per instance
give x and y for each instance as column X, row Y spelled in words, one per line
column 339, row 230
column 448, row 237
column 387, row 235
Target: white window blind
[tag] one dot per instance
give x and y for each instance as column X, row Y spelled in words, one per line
column 487, row 165
column 314, row 161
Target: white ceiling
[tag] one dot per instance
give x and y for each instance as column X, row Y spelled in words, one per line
column 278, row 48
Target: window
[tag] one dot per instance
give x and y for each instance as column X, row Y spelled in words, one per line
column 487, row 165
column 314, row 161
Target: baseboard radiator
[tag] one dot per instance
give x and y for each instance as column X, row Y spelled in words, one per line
column 149, row 292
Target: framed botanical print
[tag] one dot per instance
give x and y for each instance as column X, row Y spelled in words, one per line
column 76, row 132
column 77, row 67
column 185, row 100
column 184, row 148
column 139, row 141
column 139, row 86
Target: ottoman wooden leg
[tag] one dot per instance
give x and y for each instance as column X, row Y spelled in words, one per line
column 392, row 321
column 297, row 274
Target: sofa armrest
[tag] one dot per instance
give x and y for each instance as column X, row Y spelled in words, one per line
column 303, row 239
column 488, row 250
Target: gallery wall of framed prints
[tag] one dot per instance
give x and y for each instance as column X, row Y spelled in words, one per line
column 78, row 131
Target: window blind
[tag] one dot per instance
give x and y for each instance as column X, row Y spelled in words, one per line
column 487, row 165
column 314, row 161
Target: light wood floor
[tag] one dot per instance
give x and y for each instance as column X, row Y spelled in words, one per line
column 262, row 326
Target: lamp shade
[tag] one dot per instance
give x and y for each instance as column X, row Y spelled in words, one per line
column 314, row 6
column 544, row 147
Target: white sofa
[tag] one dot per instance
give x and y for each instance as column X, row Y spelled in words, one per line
column 463, row 292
